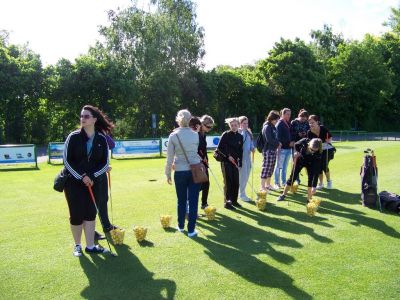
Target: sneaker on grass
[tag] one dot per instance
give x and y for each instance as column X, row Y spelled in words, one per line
column 97, row 249
column 77, row 251
column 192, row 234
column 329, row 184
column 281, row 198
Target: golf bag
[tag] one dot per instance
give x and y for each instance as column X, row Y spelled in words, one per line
column 369, row 181
column 390, row 201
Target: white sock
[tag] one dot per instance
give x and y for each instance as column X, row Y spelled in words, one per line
column 91, row 247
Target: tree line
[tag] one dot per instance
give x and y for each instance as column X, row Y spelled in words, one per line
column 150, row 62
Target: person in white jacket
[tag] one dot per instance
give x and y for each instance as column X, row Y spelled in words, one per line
column 248, row 148
column 183, row 143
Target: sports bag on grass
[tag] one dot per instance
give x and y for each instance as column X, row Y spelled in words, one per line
column 199, row 172
column 60, row 180
column 390, row 201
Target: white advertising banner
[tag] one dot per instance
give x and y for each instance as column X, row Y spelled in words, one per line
column 13, row 154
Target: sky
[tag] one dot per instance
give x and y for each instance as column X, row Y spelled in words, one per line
column 237, row 32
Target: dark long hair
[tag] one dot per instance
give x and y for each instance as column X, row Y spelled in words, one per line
column 103, row 124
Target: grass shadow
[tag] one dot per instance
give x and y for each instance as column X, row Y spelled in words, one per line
column 247, row 238
column 122, row 277
column 146, row 243
column 334, row 207
column 20, row 169
column 286, row 225
column 233, row 245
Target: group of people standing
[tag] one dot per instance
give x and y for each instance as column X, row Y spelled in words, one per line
column 86, row 161
column 304, row 141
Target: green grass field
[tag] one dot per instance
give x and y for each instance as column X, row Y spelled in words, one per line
column 345, row 252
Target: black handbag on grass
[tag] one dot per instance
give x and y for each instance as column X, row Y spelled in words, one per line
column 60, row 180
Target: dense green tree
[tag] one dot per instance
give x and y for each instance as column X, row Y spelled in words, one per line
column 295, row 77
column 361, row 84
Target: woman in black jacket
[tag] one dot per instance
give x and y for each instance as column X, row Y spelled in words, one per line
column 307, row 155
column 231, row 148
column 319, row 131
column 86, row 159
column 203, row 126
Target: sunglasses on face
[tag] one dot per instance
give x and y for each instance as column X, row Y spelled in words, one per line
column 86, row 117
column 208, row 126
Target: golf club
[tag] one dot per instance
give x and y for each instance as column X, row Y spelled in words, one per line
column 216, row 181
column 101, row 221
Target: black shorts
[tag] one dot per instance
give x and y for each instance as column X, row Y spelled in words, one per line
column 81, row 207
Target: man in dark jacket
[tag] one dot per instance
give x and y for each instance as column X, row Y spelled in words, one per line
column 285, row 151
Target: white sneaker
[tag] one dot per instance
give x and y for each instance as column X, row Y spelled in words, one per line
column 192, row 234
column 329, row 184
column 320, row 186
column 245, row 199
column 277, row 187
column 179, row 229
column 77, row 251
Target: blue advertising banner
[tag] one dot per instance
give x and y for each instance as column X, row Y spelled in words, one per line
column 212, row 142
column 136, row 147
column 55, row 150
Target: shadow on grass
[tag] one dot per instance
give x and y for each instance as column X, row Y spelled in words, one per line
column 233, row 245
column 123, row 277
column 287, row 225
column 20, row 169
column 358, row 218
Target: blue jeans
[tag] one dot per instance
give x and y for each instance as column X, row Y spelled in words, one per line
column 187, row 192
column 282, row 162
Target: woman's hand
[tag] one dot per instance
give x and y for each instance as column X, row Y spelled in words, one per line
column 169, row 180
column 297, row 154
column 87, row 181
column 109, row 169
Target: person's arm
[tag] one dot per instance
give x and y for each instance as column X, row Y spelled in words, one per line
column 328, row 136
column 73, row 167
column 241, row 149
column 293, row 131
column 110, row 142
column 301, row 146
column 170, row 158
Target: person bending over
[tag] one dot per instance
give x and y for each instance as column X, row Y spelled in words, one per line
column 307, row 155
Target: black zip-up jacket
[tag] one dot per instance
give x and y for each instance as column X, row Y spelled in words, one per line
column 270, row 136
column 310, row 159
column 78, row 162
column 231, row 144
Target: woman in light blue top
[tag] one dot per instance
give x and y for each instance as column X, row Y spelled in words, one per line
column 184, row 140
column 248, row 148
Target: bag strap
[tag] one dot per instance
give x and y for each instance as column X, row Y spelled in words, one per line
column 183, row 149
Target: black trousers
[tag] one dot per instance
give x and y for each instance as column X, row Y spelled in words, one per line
column 101, row 191
column 324, row 162
column 312, row 173
column 231, row 181
column 205, row 187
